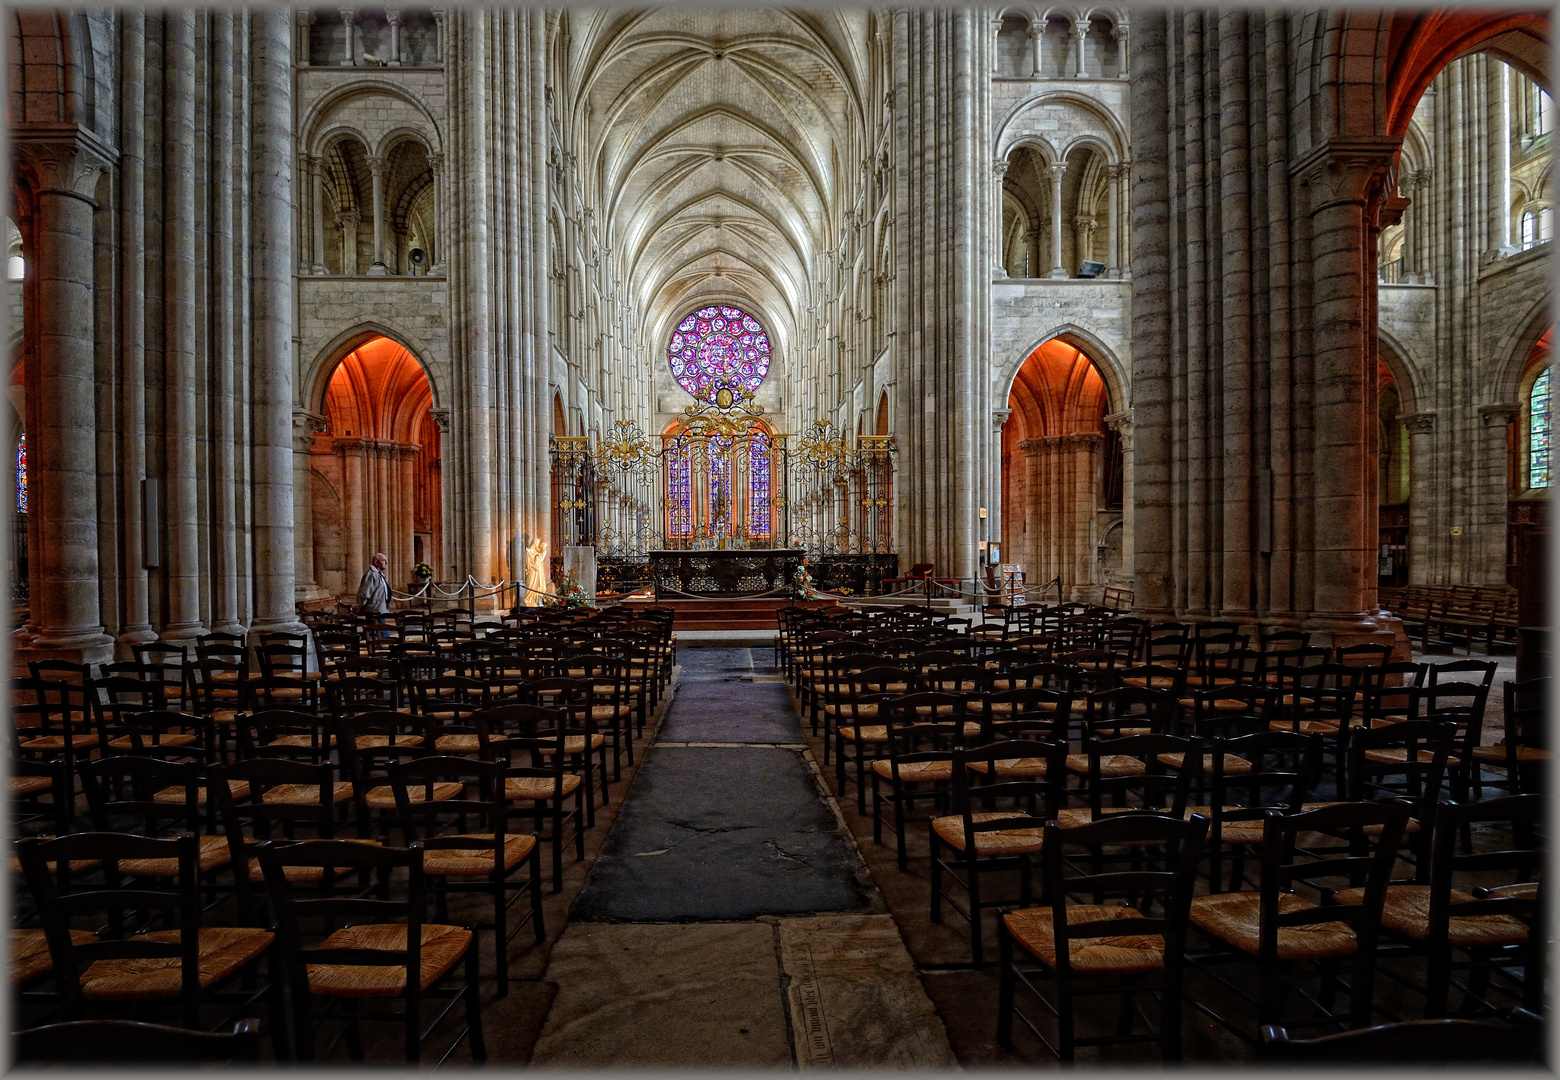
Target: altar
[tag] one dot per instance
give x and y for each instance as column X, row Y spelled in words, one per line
column 722, row 572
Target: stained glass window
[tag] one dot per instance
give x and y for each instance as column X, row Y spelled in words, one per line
column 718, row 347
column 1538, row 432
column 679, row 492
column 758, row 483
column 720, row 484
column 21, row 475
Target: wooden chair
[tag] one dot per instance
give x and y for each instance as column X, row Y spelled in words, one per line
column 1291, row 936
column 1078, row 945
column 150, row 949
column 538, row 782
column 378, row 949
column 456, row 860
column 1522, row 756
column 987, row 841
column 1415, row 1042
column 920, row 732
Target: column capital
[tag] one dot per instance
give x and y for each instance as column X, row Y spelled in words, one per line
column 1000, row 417
column 1342, row 171
column 1056, row 172
column 1036, row 29
column 1000, row 167
column 351, row 445
column 1120, row 422
column 1499, row 414
column 1084, row 439
column 349, row 217
column 1033, row 447
column 441, row 419
column 436, row 161
column 1419, row 423
column 376, row 164
column 349, row 16
column 306, row 425
column 63, row 158
column 393, row 16
column 1084, row 221
column 1081, row 27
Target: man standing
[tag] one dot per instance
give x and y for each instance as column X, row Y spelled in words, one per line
column 373, row 593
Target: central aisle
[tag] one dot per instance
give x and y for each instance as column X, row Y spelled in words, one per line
column 729, row 919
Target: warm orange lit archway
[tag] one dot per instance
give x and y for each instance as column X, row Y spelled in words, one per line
column 376, row 469
column 1061, row 471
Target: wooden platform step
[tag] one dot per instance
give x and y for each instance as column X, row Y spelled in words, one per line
column 725, row 614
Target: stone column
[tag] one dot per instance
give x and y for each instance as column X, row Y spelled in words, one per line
column 1122, row 34
column 271, row 324
column 999, row 170
column 317, row 204
column 1080, row 32
column 307, row 194
column 1124, row 219
column 436, row 262
column 349, row 20
column 996, row 45
column 1345, row 181
column 1497, row 81
column 62, row 423
column 1032, row 252
column 306, row 425
column 1421, row 225
column 354, row 509
column 1083, row 236
column 1487, row 518
column 1113, row 221
column 393, row 16
column 1422, row 492
column 376, row 168
column 348, row 222
column 180, row 507
column 1121, row 424
column 305, row 19
column 1037, row 45
column 1055, row 173
column 1036, row 558
column 996, row 522
column 438, row 35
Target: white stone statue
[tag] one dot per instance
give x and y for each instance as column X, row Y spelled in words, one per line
column 536, row 580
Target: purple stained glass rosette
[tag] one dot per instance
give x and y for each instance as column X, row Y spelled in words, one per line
column 719, row 347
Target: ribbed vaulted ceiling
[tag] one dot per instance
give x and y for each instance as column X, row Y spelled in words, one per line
column 718, row 146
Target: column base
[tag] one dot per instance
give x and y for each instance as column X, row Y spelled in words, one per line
column 304, row 594
column 379, row 269
column 78, row 648
column 1058, row 273
column 131, row 636
column 276, row 626
column 182, row 632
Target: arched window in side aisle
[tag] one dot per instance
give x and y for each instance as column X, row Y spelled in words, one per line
column 1538, row 432
column 21, row 474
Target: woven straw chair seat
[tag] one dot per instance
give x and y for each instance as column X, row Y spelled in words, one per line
column 1407, row 912
column 942, row 710
column 223, row 716
column 30, row 957
column 1246, row 833
column 1410, row 827
column 1306, row 727
column 1021, row 841
column 464, row 744
column 1527, row 890
column 77, row 866
column 1219, row 704
column 601, row 713
column 1386, row 757
column 232, row 678
column 223, row 951
column 174, row 796
column 284, row 693
column 57, row 742
column 863, row 710
column 383, row 797
column 1235, row 918
column 1489, row 755
column 538, row 787
column 915, row 771
column 214, row 854
column 1110, row 765
column 305, row 875
column 476, row 862
column 1072, row 817
column 303, row 740
column 1209, row 680
column 366, row 742
column 1126, row 954
column 305, row 794
column 1233, row 765
column 1159, row 682
column 575, row 744
column 866, row 733
column 125, row 742
column 442, row 948
column 23, row 786
column 1026, row 766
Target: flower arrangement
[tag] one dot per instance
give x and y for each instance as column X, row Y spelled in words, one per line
column 570, row 594
column 802, row 582
column 422, row 570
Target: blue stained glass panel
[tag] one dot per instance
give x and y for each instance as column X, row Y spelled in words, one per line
column 679, row 494
column 758, row 484
column 1538, row 432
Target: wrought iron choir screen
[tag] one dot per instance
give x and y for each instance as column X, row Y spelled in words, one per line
column 723, row 478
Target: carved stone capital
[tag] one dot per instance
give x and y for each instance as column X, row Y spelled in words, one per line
column 1055, row 173
column 376, row 165
column 63, row 159
column 306, row 425
column 999, row 168
column 1120, row 422
column 1500, row 414
column 441, row 418
column 349, row 16
column 1000, row 417
column 1343, row 171
column 1419, row 423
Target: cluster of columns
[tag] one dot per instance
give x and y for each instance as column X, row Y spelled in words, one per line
column 312, row 170
column 1084, row 225
column 1080, row 33
column 396, row 19
column 151, row 514
column 1060, row 496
